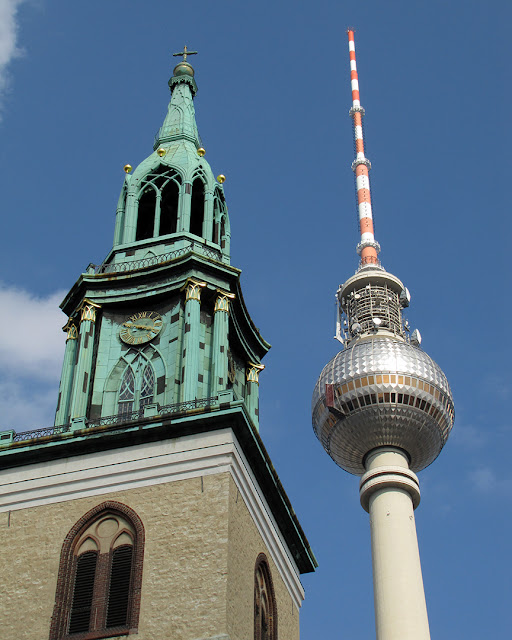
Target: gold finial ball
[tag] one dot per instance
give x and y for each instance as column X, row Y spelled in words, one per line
column 201, row 151
column 221, row 179
column 161, row 152
column 127, row 168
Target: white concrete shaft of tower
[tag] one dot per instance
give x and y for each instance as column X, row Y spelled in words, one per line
column 390, row 492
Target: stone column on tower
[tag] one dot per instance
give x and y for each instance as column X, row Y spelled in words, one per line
column 190, row 355
column 156, row 223
column 120, row 210
column 208, row 215
column 82, row 377
column 252, row 374
column 66, row 379
column 186, row 203
column 220, row 341
column 130, row 223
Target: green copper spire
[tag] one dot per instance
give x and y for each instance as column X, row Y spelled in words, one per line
column 180, row 122
column 173, row 192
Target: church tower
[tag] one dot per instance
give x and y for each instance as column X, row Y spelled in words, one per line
column 151, row 507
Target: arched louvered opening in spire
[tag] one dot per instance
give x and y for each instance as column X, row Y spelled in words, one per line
column 100, row 575
column 146, row 214
column 158, row 204
column 197, row 207
column 169, row 208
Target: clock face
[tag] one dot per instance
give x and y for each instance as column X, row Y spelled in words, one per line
column 141, row 327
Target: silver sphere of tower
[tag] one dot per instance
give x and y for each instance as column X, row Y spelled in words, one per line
column 381, row 389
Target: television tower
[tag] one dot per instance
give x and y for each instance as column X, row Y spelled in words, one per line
column 383, row 410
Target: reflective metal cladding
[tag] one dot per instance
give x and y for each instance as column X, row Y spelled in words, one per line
column 382, row 391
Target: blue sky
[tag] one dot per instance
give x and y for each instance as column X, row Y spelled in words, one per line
column 83, row 89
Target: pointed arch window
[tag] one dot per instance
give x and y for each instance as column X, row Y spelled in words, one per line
column 137, row 387
column 127, row 393
column 100, row 575
column 147, row 386
column 158, row 204
column 197, row 207
column 265, row 608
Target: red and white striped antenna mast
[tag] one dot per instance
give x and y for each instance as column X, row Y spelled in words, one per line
column 367, row 248
column 382, row 409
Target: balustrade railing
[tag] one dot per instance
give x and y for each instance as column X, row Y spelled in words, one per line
column 177, row 407
column 40, row 433
column 142, row 263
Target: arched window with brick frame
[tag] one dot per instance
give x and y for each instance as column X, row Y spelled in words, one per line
column 265, row 607
column 100, row 575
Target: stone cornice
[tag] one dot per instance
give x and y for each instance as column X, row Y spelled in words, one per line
column 196, row 455
column 156, row 429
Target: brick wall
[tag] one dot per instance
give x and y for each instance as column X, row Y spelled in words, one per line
column 198, row 578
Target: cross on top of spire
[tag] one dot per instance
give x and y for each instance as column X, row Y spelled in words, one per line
column 185, row 53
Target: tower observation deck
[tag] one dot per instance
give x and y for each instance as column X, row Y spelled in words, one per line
column 382, row 409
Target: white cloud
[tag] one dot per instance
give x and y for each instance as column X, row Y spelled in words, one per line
column 486, row 481
column 8, row 38
column 27, row 404
column 31, row 352
column 498, row 385
column 469, row 436
column 31, row 339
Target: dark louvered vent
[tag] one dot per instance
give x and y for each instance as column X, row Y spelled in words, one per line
column 119, row 590
column 82, row 593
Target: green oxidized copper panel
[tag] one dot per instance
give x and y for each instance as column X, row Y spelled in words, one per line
column 115, row 356
column 145, row 271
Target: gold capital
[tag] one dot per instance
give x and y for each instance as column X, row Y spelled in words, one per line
column 88, row 310
column 222, row 301
column 193, row 289
column 253, row 371
column 71, row 330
